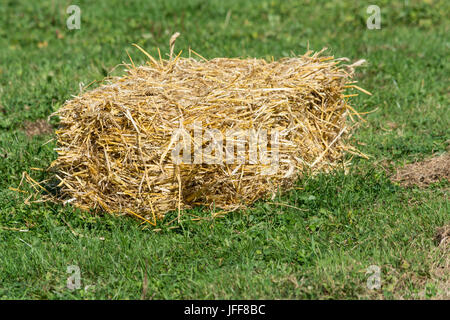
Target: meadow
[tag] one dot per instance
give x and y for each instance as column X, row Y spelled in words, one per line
column 317, row 241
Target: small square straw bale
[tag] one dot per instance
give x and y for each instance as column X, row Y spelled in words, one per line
column 115, row 142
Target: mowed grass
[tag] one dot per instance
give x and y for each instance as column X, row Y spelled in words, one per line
column 314, row 242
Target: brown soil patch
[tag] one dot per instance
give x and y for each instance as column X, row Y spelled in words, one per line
column 38, row 127
column 443, row 236
column 425, row 172
column 442, row 271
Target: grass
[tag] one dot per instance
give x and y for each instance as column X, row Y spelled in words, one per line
column 315, row 242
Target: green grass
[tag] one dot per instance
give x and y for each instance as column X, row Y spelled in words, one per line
column 335, row 225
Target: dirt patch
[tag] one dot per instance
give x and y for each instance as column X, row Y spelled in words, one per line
column 442, row 237
column 442, row 280
column 441, row 271
column 425, row 172
column 38, row 127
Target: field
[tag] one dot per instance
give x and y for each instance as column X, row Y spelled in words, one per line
column 318, row 241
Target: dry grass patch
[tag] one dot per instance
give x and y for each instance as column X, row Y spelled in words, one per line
column 425, row 172
column 38, row 127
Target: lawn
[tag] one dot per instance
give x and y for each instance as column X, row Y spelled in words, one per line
column 317, row 241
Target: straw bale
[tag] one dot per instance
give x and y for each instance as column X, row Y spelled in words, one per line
column 116, row 142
